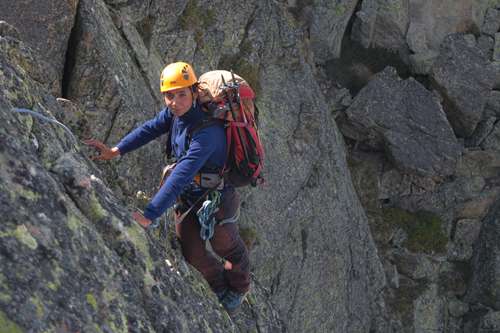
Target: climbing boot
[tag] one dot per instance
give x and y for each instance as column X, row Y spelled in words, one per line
column 220, row 295
column 232, row 301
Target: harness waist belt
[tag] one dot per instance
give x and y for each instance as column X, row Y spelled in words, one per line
column 209, row 180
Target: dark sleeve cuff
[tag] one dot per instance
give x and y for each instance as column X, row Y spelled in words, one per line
column 122, row 148
column 150, row 214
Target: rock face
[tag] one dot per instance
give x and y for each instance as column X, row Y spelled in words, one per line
column 316, row 221
column 465, row 78
column 308, row 209
column 331, row 16
column 45, row 26
column 105, row 79
column 407, row 121
column 71, row 257
column 380, row 235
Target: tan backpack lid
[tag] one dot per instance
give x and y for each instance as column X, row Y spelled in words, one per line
column 210, row 84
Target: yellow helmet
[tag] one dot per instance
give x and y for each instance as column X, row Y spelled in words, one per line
column 177, row 75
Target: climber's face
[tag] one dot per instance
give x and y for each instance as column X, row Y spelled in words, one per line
column 179, row 101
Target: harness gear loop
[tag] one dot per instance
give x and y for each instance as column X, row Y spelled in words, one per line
column 206, row 215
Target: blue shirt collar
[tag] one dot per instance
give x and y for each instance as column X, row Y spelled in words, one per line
column 194, row 115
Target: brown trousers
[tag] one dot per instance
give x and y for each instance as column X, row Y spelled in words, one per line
column 226, row 242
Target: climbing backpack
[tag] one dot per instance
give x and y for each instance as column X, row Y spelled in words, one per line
column 228, row 98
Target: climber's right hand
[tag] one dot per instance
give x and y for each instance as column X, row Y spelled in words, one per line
column 105, row 153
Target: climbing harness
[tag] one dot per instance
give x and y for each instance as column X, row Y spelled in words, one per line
column 41, row 117
column 206, row 215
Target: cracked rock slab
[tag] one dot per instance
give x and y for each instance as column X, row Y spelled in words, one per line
column 407, row 121
column 45, row 25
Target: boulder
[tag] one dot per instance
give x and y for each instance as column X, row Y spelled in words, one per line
column 496, row 70
column 491, row 23
column 492, row 139
column 490, row 322
column 457, row 308
column 496, row 48
column 381, row 23
column 406, row 120
column 414, row 266
column 7, row 30
column 464, row 77
column 479, row 163
column 485, row 263
column 415, row 29
column 493, row 104
column 486, row 44
column 429, row 311
column 482, row 131
column 466, row 234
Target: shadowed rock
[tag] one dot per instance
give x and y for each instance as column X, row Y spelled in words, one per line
column 486, row 263
column 331, row 16
column 45, row 25
column 406, row 120
column 415, row 29
column 382, row 23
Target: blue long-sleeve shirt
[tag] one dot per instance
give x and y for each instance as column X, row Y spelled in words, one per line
column 206, row 150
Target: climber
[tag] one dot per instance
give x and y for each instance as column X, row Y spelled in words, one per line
column 199, row 154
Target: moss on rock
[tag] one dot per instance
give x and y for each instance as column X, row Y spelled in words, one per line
column 8, row 326
column 249, row 236
column 196, row 18
column 22, row 235
column 4, row 290
column 494, row 3
column 138, row 238
column 340, row 9
column 424, row 229
column 91, row 301
column 73, row 223
column 38, row 306
column 24, row 193
column 52, row 286
column 97, row 212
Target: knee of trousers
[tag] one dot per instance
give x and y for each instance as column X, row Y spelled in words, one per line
column 205, row 265
column 238, row 257
column 195, row 257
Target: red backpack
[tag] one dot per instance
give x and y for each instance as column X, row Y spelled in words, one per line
column 229, row 98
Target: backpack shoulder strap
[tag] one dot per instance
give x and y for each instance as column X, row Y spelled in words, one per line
column 201, row 125
column 168, row 148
